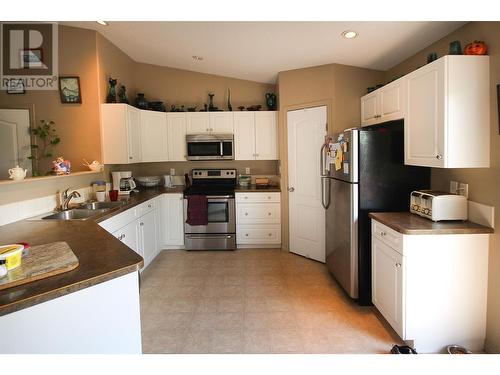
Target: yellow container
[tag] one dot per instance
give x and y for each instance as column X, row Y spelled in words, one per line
column 12, row 255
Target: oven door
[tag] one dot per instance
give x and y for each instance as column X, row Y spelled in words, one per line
column 221, row 216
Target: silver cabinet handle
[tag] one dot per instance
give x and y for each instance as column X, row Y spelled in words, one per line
column 270, row 234
column 439, row 156
column 291, row 189
column 149, row 205
column 130, row 157
column 141, row 224
column 246, row 196
column 382, row 234
column 269, row 197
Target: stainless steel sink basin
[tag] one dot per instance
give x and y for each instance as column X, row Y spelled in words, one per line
column 101, row 205
column 74, row 214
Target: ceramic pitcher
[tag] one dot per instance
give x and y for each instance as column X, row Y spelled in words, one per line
column 17, row 173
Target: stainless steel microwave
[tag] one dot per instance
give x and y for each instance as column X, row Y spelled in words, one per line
column 210, row 146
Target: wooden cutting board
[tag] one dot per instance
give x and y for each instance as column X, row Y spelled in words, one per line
column 41, row 262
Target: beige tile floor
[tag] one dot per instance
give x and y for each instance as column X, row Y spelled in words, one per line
column 252, row 301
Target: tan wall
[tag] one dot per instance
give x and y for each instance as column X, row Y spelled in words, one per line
column 183, row 87
column 483, row 183
column 76, row 124
column 339, row 87
column 113, row 62
column 257, row 167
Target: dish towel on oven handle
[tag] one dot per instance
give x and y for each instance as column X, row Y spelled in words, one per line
column 197, row 210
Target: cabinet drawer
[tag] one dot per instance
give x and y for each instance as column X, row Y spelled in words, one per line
column 257, row 197
column 119, row 221
column 258, row 213
column 146, row 207
column 258, row 234
column 388, row 236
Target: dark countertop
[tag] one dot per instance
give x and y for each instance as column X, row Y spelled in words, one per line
column 254, row 189
column 408, row 223
column 102, row 257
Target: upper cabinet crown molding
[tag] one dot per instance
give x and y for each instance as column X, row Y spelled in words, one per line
column 446, row 110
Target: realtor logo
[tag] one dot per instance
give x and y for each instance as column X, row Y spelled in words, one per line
column 29, row 56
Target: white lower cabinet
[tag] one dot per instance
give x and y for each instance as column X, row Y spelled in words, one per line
column 138, row 229
column 172, row 220
column 129, row 235
column 258, row 219
column 431, row 288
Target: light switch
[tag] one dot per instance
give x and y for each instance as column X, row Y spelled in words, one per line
column 453, row 187
column 463, row 189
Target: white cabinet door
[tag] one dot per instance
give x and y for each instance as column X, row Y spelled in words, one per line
column 154, row 136
column 387, row 284
column 172, row 220
column 369, row 109
column 391, row 100
column 197, row 122
column 424, row 122
column 244, row 136
column 134, row 135
column 176, row 123
column 266, row 135
column 129, row 235
column 221, row 122
column 148, row 236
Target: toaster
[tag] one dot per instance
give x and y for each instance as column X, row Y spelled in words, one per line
column 438, row 205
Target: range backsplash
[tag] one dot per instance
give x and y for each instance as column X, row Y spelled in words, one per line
column 268, row 168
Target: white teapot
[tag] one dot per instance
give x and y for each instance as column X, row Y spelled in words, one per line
column 17, row 173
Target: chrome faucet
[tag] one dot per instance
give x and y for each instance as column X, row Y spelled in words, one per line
column 67, row 198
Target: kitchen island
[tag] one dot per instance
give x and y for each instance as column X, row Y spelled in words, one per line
column 91, row 309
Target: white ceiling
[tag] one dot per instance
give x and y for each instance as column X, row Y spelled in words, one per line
column 257, row 51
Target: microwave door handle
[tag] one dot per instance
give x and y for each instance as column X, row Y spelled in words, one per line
column 221, row 149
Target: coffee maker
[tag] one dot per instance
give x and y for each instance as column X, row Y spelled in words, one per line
column 123, row 182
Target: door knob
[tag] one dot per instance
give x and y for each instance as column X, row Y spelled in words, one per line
column 291, row 189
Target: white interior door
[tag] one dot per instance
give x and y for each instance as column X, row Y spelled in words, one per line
column 306, row 134
column 15, row 143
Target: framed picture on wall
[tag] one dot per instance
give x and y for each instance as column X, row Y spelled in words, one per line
column 69, row 90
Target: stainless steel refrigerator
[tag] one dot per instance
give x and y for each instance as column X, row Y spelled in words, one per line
column 370, row 177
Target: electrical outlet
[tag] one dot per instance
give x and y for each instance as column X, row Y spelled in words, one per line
column 453, row 187
column 247, row 170
column 463, row 189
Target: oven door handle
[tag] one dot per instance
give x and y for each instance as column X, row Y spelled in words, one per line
column 205, row 236
column 219, row 197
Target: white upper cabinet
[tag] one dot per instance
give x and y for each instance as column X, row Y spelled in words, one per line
column 256, row 135
column 385, row 104
column 197, row 122
column 120, row 134
column 176, row 124
column 221, row 122
column 154, row 136
column 447, row 122
column 244, row 135
column 266, row 135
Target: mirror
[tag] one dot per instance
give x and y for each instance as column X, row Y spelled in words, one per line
column 15, row 141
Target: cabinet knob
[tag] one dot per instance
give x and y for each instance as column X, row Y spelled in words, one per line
column 268, row 214
column 149, row 205
column 141, row 224
column 246, row 213
column 290, row 189
column 382, row 234
column 246, row 234
column 439, row 156
column 123, row 236
column 130, row 157
column 269, row 234
column 398, row 265
column 246, row 197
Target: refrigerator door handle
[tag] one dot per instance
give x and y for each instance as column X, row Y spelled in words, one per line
column 324, row 203
column 322, row 161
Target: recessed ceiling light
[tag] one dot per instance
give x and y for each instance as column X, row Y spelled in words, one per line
column 102, row 23
column 349, row 34
column 197, row 58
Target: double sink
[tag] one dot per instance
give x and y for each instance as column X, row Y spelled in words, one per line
column 82, row 212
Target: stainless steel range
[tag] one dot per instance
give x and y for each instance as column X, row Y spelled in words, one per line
column 220, row 231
